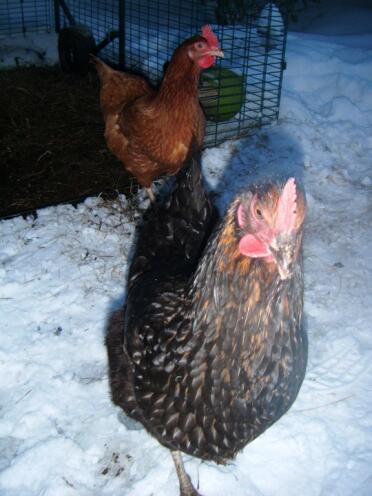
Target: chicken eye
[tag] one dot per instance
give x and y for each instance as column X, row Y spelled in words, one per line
column 200, row 45
column 258, row 213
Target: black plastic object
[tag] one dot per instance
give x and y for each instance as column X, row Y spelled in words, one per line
column 75, row 43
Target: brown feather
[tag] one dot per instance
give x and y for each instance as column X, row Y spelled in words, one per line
column 151, row 131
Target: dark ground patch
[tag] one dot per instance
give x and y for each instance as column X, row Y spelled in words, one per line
column 52, row 148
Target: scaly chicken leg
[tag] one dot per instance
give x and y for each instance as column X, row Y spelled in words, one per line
column 151, row 194
column 186, row 487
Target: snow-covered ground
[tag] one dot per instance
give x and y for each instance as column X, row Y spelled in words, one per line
column 63, row 275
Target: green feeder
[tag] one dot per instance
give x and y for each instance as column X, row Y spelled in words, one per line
column 221, row 93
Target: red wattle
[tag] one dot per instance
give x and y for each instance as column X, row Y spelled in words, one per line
column 206, row 61
column 252, row 247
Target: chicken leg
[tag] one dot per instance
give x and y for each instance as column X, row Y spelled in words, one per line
column 186, row 487
column 151, row 194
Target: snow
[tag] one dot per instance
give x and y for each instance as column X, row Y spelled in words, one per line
column 63, row 276
column 33, row 49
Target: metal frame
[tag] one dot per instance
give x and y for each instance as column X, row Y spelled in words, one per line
column 25, row 16
column 140, row 35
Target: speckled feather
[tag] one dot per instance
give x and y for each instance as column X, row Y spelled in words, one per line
column 213, row 350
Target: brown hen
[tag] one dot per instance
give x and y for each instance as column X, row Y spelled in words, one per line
column 150, row 131
column 213, row 351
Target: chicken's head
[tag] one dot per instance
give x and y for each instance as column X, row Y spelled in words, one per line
column 204, row 49
column 271, row 219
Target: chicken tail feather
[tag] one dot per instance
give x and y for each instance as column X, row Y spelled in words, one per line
column 191, row 207
column 189, row 199
column 102, row 68
column 180, row 227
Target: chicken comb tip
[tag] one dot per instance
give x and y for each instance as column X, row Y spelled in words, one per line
column 286, row 216
column 240, row 216
column 209, row 35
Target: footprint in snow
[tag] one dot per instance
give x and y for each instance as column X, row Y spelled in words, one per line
column 342, row 364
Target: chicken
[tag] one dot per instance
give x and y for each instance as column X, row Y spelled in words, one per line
column 213, row 351
column 150, row 131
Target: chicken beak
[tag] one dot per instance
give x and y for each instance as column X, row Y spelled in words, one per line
column 282, row 249
column 216, row 52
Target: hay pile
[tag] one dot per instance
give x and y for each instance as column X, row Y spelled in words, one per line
column 52, row 148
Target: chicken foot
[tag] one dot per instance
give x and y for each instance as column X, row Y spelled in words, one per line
column 151, row 194
column 186, row 487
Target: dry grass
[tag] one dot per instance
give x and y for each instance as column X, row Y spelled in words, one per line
column 52, row 148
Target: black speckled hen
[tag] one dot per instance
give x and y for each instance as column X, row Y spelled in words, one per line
column 213, row 351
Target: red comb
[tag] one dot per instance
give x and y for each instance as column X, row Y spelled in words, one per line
column 285, row 221
column 209, row 35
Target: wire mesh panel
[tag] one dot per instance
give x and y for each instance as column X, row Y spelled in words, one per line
column 102, row 17
column 241, row 92
column 23, row 16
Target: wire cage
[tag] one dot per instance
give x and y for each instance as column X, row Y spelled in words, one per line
column 240, row 93
column 25, row 16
